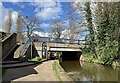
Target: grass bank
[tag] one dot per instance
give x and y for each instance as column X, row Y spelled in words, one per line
column 88, row 57
column 36, row 59
column 55, row 66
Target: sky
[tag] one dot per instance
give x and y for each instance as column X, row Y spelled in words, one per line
column 48, row 11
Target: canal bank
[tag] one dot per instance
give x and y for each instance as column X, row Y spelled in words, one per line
column 60, row 72
column 89, row 58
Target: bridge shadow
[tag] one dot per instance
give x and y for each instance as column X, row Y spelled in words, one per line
column 15, row 73
column 35, row 52
column 68, row 57
column 71, row 65
column 71, row 56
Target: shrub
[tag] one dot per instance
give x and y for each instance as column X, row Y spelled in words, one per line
column 88, row 57
column 35, row 59
column 107, row 56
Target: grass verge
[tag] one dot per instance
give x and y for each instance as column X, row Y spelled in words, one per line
column 35, row 59
column 55, row 65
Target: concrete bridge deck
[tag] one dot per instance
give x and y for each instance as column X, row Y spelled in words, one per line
column 68, row 50
column 57, row 45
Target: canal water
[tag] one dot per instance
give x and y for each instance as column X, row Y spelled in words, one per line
column 80, row 71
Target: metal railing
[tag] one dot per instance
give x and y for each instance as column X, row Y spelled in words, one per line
column 57, row 40
column 24, row 48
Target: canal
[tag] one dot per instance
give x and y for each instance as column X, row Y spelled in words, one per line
column 80, row 71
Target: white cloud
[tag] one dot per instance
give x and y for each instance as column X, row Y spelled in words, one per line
column 42, row 34
column 21, row 5
column 49, row 13
column 28, row 0
column 44, row 25
column 61, row 0
column 2, row 16
column 14, row 18
column 48, row 10
column 44, row 4
column 12, row 0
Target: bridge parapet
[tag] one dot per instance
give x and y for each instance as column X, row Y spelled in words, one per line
column 55, row 44
column 3, row 35
column 57, row 40
column 63, row 45
column 58, row 47
column 7, row 44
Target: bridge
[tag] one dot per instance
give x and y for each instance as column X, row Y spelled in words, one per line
column 40, row 46
column 69, row 48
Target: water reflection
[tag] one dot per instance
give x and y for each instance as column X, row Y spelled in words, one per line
column 80, row 71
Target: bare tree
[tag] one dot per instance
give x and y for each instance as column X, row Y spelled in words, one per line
column 8, row 22
column 75, row 23
column 74, row 31
column 56, row 29
column 31, row 25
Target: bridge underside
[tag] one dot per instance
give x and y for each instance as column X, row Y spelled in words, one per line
column 69, row 51
column 70, row 55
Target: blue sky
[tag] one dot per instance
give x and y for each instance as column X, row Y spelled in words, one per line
column 49, row 11
column 28, row 9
